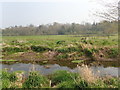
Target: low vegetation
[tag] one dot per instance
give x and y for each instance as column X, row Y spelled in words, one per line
column 59, row 79
column 57, row 47
column 78, row 61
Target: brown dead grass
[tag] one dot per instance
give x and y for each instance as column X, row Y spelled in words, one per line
column 50, row 54
column 86, row 73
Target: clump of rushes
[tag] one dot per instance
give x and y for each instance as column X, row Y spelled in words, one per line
column 18, row 42
column 62, row 56
column 60, row 42
column 76, row 83
column 113, row 52
column 7, row 78
column 62, row 75
column 111, row 82
column 10, row 76
column 13, row 77
column 14, row 49
column 105, row 42
column 66, row 84
column 35, row 80
column 4, row 74
column 67, row 49
column 80, row 83
column 88, row 52
column 86, row 73
column 5, row 83
column 39, row 48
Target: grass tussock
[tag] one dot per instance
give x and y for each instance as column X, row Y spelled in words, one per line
column 87, row 74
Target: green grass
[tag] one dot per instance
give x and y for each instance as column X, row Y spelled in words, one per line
column 59, row 79
column 62, row 75
column 65, row 45
column 57, row 40
column 35, row 80
column 8, row 60
column 45, row 61
column 77, row 61
column 113, row 52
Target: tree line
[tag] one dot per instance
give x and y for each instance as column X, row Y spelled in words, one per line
column 103, row 27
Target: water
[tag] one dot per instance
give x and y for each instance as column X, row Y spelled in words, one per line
column 51, row 67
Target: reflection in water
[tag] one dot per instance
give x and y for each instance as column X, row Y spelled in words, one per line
column 50, row 68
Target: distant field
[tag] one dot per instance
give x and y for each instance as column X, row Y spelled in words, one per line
column 52, row 39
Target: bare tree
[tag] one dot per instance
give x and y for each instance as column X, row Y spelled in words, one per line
column 111, row 12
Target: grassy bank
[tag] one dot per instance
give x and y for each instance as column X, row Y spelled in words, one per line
column 68, row 47
column 59, row 79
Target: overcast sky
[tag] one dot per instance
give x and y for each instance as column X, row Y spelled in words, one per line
column 47, row 11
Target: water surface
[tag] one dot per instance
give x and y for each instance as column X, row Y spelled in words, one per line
column 48, row 68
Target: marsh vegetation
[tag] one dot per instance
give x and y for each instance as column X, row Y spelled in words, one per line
column 68, row 47
column 59, row 51
column 58, row 79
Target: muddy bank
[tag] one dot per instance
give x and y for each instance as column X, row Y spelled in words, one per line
column 52, row 55
column 79, row 51
column 66, row 63
column 30, row 56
